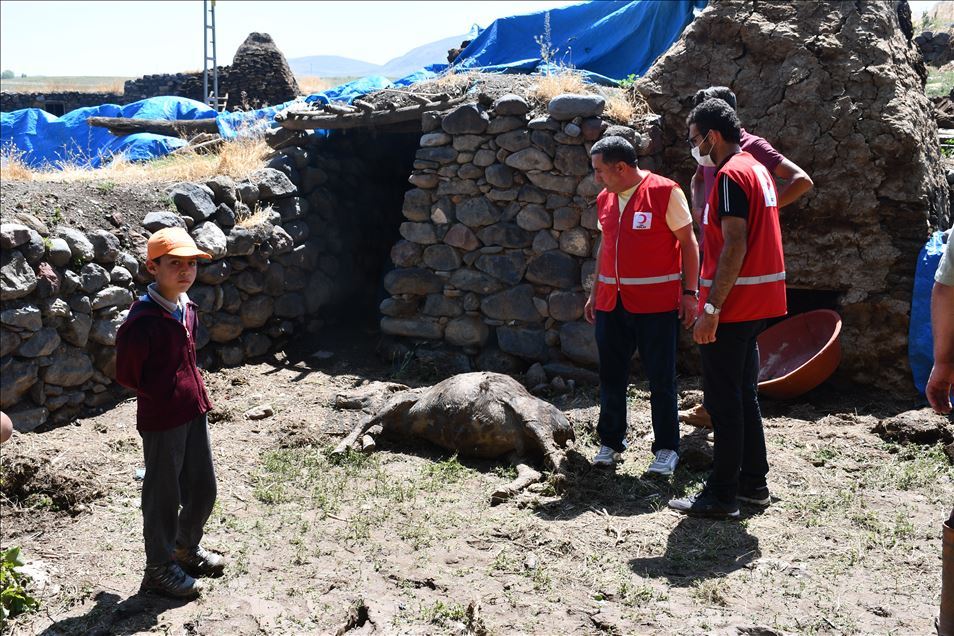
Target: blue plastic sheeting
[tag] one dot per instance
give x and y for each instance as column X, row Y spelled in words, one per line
column 920, row 343
column 49, row 141
column 610, row 40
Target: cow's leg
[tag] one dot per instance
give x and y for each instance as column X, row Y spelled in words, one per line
column 388, row 415
column 553, row 456
column 525, row 476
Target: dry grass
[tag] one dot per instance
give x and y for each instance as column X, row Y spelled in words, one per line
column 563, row 81
column 454, row 82
column 12, row 167
column 65, row 84
column 310, row 84
column 253, row 218
column 236, row 159
column 116, row 86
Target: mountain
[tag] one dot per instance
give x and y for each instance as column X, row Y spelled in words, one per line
column 337, row 66
column 331, row 66
column 415, row 59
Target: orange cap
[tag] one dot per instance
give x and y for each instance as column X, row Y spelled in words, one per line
column 174, row 241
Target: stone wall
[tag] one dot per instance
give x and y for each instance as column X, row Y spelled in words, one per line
column 291, row 251
column 836, row 88
column 497, row 252
column 70, row 100
column 187, row 85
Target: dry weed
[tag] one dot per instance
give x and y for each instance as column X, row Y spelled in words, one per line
column 254, row 217
column 236, row 159
column 12, row 166
column 563, row 81
column 454, row 82
column 113, row 86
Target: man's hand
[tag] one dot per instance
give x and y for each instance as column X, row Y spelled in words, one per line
column 939, row 385
column 705, row 330
column 589, row 310
column 688, row 309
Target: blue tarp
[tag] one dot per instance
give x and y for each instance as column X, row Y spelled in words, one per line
column 920, row 343
column 47, row 140
column 610, row 40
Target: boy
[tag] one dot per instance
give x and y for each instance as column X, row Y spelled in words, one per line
column 155, row 356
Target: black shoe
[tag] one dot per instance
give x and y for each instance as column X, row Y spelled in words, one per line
column 170, row 580
column 198, row 561
column 704, row 504
column 756, row 496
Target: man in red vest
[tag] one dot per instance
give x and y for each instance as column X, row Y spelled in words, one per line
column 639, row 295
column 794, row 181
column 742, row 285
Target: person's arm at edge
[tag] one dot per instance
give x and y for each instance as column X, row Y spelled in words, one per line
column 697, row 192
column 589, row 310
column 132, row 350
column 938, row 389
column 797, row 182
column 690, row 273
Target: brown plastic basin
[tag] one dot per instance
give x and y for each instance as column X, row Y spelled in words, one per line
column 799, row 353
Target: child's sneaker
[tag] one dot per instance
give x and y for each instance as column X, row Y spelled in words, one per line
column 170, row 580
column 200, row 562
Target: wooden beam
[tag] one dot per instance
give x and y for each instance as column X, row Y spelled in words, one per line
column 126, row 126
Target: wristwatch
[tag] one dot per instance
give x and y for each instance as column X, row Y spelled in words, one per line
column 711, row 309
column 691, row 292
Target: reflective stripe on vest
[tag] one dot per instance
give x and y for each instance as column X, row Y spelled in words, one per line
column 749, row 280
column 652, row 280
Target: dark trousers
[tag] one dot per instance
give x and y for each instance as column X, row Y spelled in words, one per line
column 618, row 334
column 730, row 375
column 178, row 473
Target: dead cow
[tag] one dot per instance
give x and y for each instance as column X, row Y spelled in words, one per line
column 485, row 415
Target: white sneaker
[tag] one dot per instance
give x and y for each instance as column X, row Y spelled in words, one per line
column 665, row 462
column 606, row 457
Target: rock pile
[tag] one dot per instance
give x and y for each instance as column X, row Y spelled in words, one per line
column 259, row 70
column 845, row 101
column 937, row 48
column 496, row 256
column 65, row 292
column 259, row 75
column 188, row 85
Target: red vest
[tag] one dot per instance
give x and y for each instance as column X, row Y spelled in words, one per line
column 759, row 291
column 640, row 258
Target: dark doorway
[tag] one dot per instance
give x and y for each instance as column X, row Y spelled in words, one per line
column 355, row 216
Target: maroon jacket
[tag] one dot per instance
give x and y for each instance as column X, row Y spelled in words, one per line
column 155, row 356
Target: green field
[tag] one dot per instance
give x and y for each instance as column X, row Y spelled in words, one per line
column 939, row 82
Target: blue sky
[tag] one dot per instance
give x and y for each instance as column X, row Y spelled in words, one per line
column 140, row 37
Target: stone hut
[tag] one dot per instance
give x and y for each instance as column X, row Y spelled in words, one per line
column 259, row 71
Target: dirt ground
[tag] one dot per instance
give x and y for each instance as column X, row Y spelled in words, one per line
column 404, row 540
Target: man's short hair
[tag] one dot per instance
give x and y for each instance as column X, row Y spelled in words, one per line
column 716, row 92
column 614, row 150
column 716, row 114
